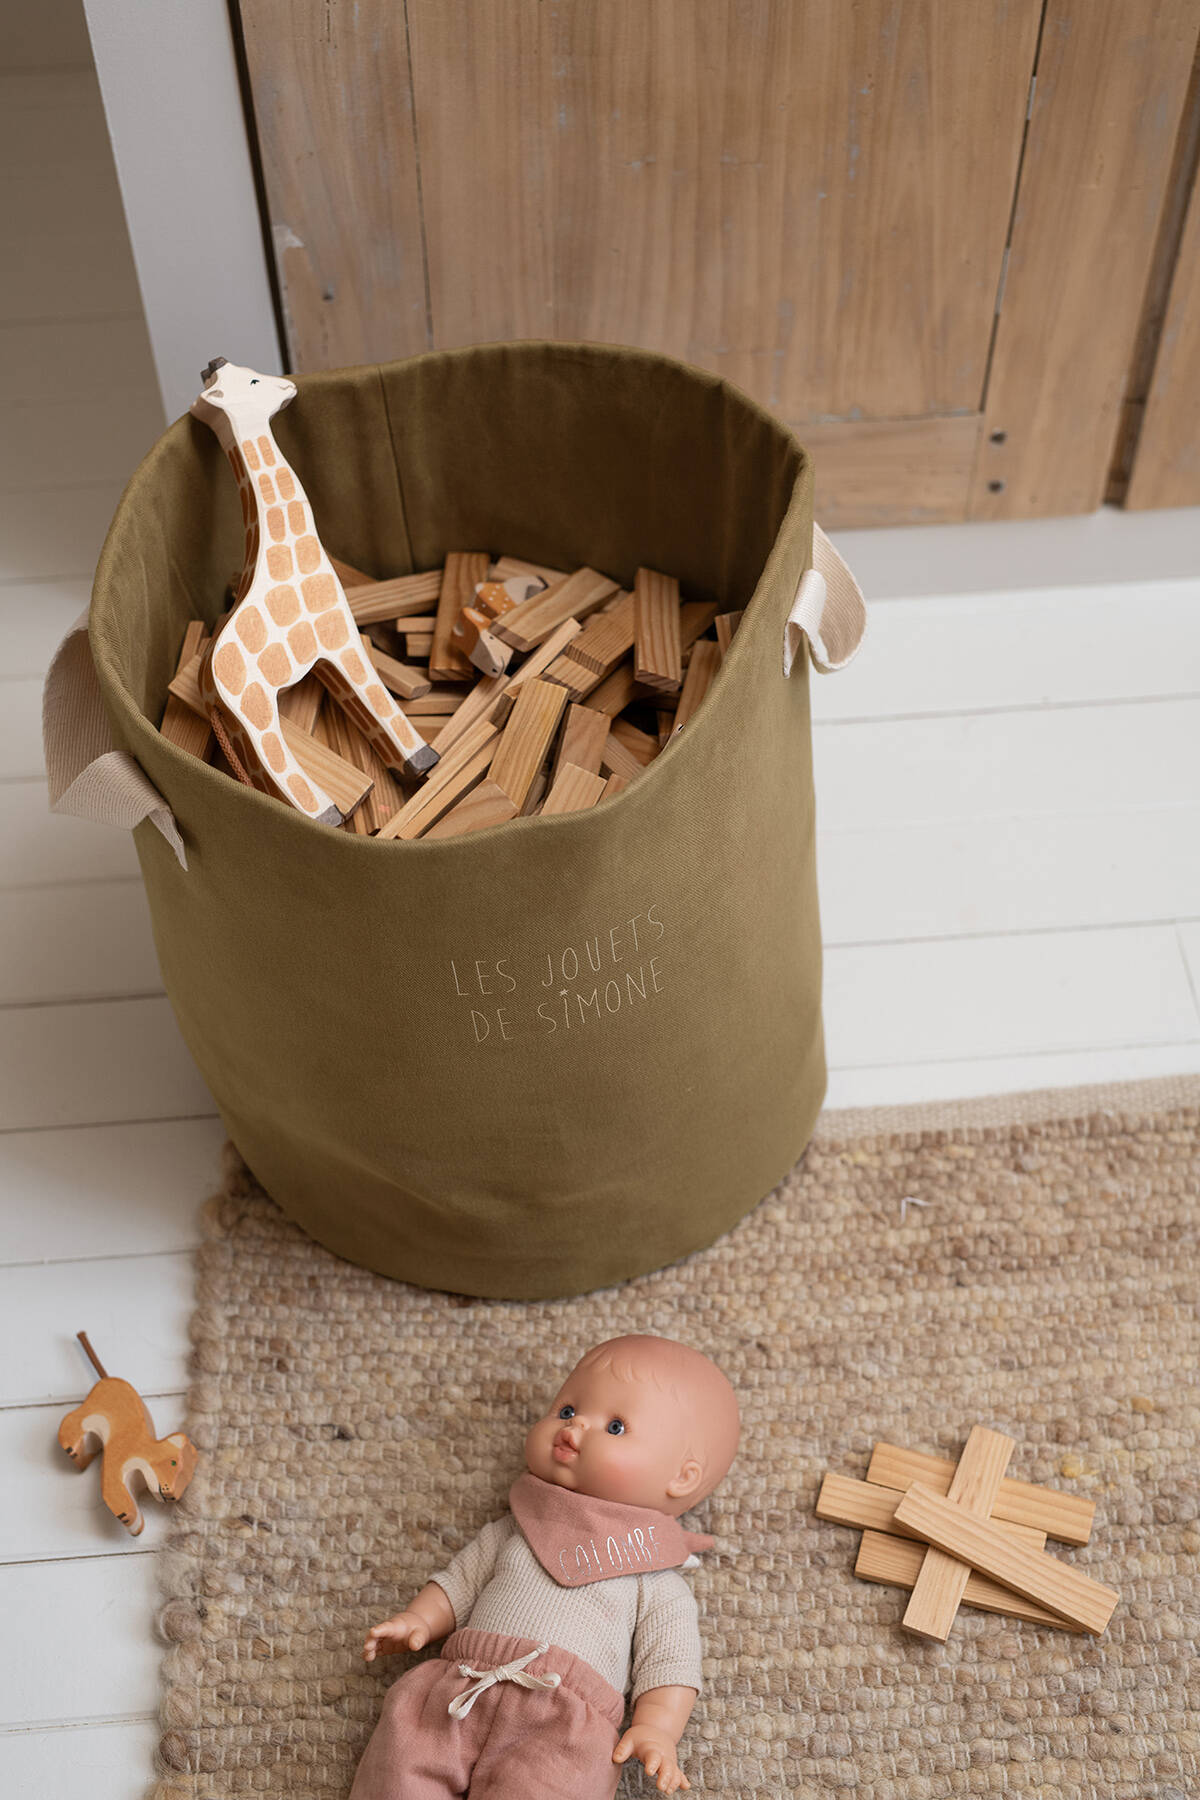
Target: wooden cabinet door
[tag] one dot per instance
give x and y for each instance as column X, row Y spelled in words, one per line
column 871, row 217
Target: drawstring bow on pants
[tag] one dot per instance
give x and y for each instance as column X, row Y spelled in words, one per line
column 515, row 1671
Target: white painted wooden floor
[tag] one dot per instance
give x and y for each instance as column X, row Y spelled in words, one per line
column 1009, row 810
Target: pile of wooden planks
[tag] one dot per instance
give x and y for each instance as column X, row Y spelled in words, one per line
column 966, row 1533
column 542, row 691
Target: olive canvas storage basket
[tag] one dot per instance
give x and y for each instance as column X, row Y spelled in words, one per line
column 548, row 1056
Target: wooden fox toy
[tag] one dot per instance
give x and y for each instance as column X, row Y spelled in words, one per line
column 114, row 1416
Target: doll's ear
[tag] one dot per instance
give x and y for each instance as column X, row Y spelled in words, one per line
column 687, row 1481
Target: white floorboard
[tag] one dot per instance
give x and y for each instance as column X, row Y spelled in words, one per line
column 1048, row 647
column 82, row 943
column 87, row 1651
column 117, row 1757
column 34, row 617
column 41, row 847
column 87, row 1064
column 106, row 1190
column 134, row 1309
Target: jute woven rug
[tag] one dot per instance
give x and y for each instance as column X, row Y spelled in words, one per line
column 356, row 1432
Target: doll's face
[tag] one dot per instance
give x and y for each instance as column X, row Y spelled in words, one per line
column 616, row 1437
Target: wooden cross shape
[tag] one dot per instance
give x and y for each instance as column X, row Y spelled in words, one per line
column 980, row 1537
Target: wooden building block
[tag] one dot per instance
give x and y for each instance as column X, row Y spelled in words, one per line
column 578, row 681
column 533, row 668
column 705, row 661
column 1067, row 1517
column 942, row 1580
column 477, row 705
column 350, row 744
column 185, row 683
column 606, row 638
column 614, row 785
column 584, row 735
column 576, row 595
column 616, row 691
column 536, row 794
column 574, row 790
column 302, row 704
column 420, row 646
column 845, row 1501
column 666, row 726
column 419, row 813
column 485, row 805
column 982, row 1544
column 410, row 684
column 506, row 566
column 346, row 786
column 463, row 569
column 187, row 726
column 897, row 1562
column 419, row 625
column 726, row 624
column 389, row 600
column 657, row 639
column 638, row 743
column 445, row 698
column 616, row 759
column 461, row 783
column 694, row 620
column 528, row 736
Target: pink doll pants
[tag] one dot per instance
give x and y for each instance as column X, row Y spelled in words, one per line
column 509, row 1742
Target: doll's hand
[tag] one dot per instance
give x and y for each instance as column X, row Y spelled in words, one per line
column 407, row 1631
column 656, row 1750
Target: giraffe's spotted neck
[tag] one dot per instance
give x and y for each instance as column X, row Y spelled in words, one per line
column 275, row 508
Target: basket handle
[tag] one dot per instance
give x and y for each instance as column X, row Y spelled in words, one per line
column 829, row 612
column 86, row 775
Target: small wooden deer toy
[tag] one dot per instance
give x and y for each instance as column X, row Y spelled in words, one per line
column 290, row 614
column 114, row 1415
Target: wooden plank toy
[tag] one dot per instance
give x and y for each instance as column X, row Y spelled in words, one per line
column 1067, row 1517
column 576, row 595
column 187, row 728
column 527, row 737
column 658, row 644
column 485, row 805
column 115, row 1420
column 975, row 1491
column 981, row 1544
column 291, row 615
column 897, row 1562
column 942, row 1580
column 573, row 790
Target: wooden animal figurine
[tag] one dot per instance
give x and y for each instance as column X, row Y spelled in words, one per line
column 114, row 1416
column 290, row 612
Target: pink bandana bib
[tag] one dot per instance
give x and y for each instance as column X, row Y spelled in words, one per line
column 578, row 1538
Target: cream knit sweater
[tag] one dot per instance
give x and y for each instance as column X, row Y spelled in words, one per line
column 646, row 1625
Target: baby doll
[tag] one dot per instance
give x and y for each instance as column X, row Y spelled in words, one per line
column 561, row 1605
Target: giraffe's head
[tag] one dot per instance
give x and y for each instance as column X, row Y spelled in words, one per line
column 243, row 396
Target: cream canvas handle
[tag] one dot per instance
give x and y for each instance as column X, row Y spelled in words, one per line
column 829, row 612
column 85, row 774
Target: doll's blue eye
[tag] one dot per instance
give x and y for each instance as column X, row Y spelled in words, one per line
column 616, row 1426
column 566, row 1412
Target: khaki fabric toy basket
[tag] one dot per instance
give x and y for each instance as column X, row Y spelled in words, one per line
column 549, row 1056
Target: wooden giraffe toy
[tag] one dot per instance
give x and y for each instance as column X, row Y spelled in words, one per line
column 114, row 1416
column 290, row 612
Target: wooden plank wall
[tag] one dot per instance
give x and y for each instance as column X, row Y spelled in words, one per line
column 811, row 200
column 1112, row 76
